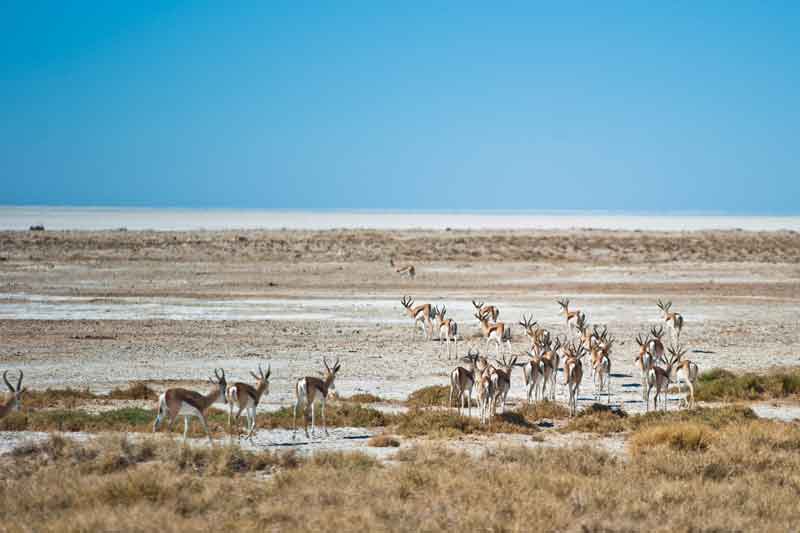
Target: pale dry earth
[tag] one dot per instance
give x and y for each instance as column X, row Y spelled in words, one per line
column 101, row 309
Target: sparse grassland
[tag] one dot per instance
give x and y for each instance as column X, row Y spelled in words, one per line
column 726, row 386
column 740, row 476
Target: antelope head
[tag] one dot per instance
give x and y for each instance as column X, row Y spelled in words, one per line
column 664, row 306
column 17, row 393
column 657, row 332
column 527, row 323
column 477, row 305
column 331, row 371
column 441, row 312
column 262, row 379
column 676, row 353
column 564, row 303
column 407, row 302
column 221, row 383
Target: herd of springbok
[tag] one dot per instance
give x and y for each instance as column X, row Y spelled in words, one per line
column 547, row 354
column 490, row 379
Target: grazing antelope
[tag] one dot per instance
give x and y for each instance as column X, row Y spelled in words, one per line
column 684, row 371
column 675, row 320
column 407, row 270
column 462, row 380
column 573, row 371
column 421, row 315
column 246, row 397
column 571, row 316
column 533, row 372
column 14, row 403
column 491, row 310
column 536, row 334
column 496, row 332
column 448, row 329
column 501, row 379
column 177, row 402
column 309, row 389
column 644, row 362
column 550, row 360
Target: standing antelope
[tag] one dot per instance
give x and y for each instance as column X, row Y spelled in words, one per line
column 501, row 379
column 684, row 371
column 644, row 362
column 421, row 315
column 309, row 389
column 573, row 370
column 601, row 368
column 462, row 380
column 571, row 316
column 447, row 328
column 177, row 402
column 245, row 396
column 550, row 360
column 533, row 372
column 659, row 379
column 496, row 332
column 491, row 310
column 655, row 346
column 486, row 394
column 536, row 334
column 14, row 403
column 675, row 320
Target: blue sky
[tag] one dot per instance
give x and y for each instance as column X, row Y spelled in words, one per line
column 646, row 106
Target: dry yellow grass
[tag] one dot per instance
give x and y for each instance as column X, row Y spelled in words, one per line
column 745, row 478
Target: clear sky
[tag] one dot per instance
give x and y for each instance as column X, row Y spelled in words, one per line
column 646, row 106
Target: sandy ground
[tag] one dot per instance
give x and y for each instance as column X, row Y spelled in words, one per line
column 100, row 309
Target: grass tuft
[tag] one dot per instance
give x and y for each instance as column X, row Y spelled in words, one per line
column 684, row 436
column 383, row 441
column 722, row 385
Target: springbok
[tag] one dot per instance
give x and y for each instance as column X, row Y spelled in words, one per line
column 407, row 270
column 309, row 389
column 674, row 320
column 573, row 370
column 496, row 332
column 448, row 329
column 501, row 379
column 570, row 316
column 601, row 368
column 492, row 310
column 655, row 346
column 176, row 402
column 684, row 371
column 462, row 380
column 533, row 372
column 486, row 395
column 659, row 379
column 550, row 361
column 245, row 396
column 14, row 403
column 537, row 335
column 421, row 315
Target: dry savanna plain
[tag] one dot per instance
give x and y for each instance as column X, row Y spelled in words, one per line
column 102, row 322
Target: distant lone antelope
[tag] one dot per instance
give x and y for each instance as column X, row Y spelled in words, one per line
column 406, row 270
column 308, row 390
column 674, row 320
column 14, row 403
column 177, row 402
column 245, row 397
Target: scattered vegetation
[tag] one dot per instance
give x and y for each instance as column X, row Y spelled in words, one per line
column 71, row 398
column 722, row 385
column 363, row 397
column 741, row 476
column 383, row 440
column 433, row 396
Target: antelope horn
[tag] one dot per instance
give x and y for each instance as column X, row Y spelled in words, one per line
column 5, row 378
column 269, row 371
column 325, row 362
column 19, row 382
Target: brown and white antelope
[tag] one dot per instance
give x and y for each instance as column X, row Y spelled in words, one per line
column 601, row 369
column 501, row 379
column 537, row 335
column 550, row 362
column 496, row 332
column 674, row 320
column 644, row 361
column 533, row 372
column 421, row 315
column 448, row 330
column 659, row 379
column 684, row 371
column 407, row 270
column 570, row 316
column 176, row 402
column 462, row 381
column 491, row 310
column 655, row 346
column 309, row 389
column 245, row 397
column 14, row 402
column 573, row 372
column 486, row 394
